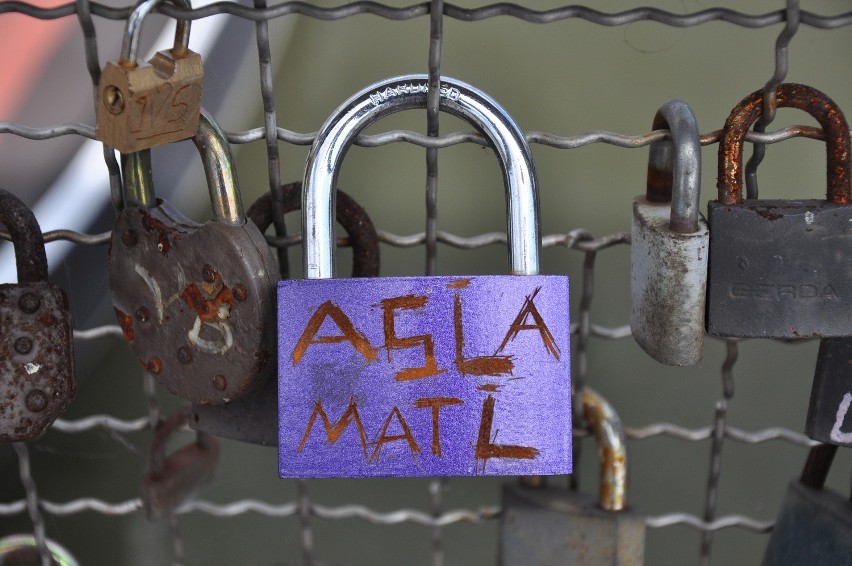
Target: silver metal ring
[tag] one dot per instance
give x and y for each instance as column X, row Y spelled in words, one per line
column 133, row 29
column 403, row 93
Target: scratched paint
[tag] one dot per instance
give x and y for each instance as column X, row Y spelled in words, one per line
column 424, row 376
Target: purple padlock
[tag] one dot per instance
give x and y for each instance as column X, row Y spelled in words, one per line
column 423, row 376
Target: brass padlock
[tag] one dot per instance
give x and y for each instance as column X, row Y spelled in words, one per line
column 141, row 106
column 172, row 479
column 36, row 346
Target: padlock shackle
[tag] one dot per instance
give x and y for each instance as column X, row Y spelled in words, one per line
column 219, row 169
column 133, row 29
column 789, row 95
column 27, row 238
column 674, row 165
column 818, row 465
column 606, row 425
column 403, row 93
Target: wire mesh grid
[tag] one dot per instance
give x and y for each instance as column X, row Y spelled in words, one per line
column 435, row 517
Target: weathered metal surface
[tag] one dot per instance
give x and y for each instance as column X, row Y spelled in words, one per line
column 555, row 526
column 814, row 525
column 171, row 479
column 829, row 417
column 36, row 346
column 424, row 376
column 196, row 302
column 669, row 241
column 781, row 269
column 140, row 107
column 254, row 416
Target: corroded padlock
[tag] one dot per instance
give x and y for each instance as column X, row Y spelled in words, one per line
column 781, row 268
column 36, row 341
column 415, row 376
column 171, row 479
column 669, row 244
column 814, row 524
column 254, row 416
column 141, row 106
column 557, row 526
column 195, row 302
column 829, row 415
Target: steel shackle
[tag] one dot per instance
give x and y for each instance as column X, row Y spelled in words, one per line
column 133, row 29
column 606, row 425
column 674, row 165
column 218, row 163
column 789, row 95
column 403, row 93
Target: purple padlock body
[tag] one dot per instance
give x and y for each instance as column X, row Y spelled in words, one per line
column 424, row 376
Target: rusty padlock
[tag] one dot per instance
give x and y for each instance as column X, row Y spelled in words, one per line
column 254, row 416
column 829, row 417
column 392, row 358
column 141, row 106
column 814, row 524
column 195, row 302
column 36, row 341
column 669, row 245
column 171, row 479
column 781, row 268
column 551, row 525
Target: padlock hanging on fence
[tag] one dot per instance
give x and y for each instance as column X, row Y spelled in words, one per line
column 781, row 268
column 669, row 245
column 142, row 106
column 254, row 416
column 557, row 526
column 830, row 411
column 814, row 524
column 423, row 376
column 36, row 341
column 195, row 302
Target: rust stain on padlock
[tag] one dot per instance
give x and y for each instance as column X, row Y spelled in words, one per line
column 209, row 309
column 152, row 224
column 126, row 323
column 789, row 95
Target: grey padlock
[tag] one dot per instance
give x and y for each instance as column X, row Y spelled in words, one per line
column 829, row 416
column 196, row 302
column 254, row 417
column 669, row 245
column 814, row 525
column 781, row 268
column 550, row 526
column 36, row 341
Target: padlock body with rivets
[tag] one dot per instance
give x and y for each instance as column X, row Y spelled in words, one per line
column 36, row 359
column 829, row 417
column 668, row 284
column 143, row 106
column 780, row 269
column 195, row 302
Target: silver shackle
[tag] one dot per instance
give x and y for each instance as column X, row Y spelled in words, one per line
column 219, row 170
column 674, row 165
column 403, row 93
column 133, row 29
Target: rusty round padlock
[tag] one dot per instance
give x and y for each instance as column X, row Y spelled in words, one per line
column 254, row 417
column 36, row 340
column 172, row 479
column 781, row 268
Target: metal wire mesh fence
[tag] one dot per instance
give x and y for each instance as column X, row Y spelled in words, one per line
column 303, row 510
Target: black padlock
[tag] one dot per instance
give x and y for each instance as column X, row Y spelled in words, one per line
column 814, row 525
column 172, row 479
column 195, row 302
column 781, row 268
column 829, row 418
column 254, row 416
column 36, row 340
